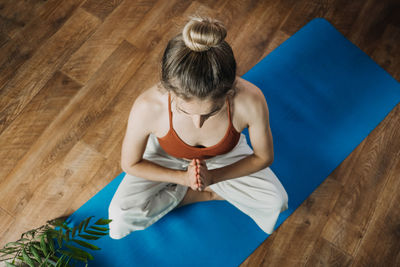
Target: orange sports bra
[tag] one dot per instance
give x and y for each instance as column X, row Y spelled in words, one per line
column 174, row 145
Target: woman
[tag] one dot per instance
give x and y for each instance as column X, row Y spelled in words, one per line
column 181, row 144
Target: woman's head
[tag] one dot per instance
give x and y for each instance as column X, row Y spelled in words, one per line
column 198, row 64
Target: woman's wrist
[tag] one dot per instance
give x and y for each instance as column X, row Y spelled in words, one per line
column 214, row 180
column 181, row 177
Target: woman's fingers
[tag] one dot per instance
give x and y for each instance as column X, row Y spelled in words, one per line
column 200, row 163
column 199, row 182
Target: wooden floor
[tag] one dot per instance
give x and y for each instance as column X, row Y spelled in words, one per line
column 70, row 71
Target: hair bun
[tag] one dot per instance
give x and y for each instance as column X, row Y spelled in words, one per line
column 202, row 33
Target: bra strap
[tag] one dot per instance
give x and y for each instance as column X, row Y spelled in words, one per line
column 169, row 110
column 229, row 110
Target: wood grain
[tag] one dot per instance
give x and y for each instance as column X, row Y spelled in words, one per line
column 70, row 71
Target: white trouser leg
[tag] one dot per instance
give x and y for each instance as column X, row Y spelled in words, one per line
column 260, row 195
column 138, row 202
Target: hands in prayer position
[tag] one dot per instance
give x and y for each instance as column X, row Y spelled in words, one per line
column 198, row 177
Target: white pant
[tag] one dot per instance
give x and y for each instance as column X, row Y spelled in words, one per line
column 138, row 202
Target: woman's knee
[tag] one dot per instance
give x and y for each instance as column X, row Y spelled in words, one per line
column 126, row 220
column 280, row 200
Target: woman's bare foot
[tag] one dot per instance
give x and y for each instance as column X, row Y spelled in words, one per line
column 192, row 196
column 214, row 195
column 217, row 197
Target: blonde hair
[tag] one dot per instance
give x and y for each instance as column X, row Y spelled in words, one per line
column 202, row 33
column 199, row 63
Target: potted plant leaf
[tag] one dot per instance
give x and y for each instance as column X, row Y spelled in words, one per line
column 55, row 246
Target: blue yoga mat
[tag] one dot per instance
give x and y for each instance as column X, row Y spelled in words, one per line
column 325, row 96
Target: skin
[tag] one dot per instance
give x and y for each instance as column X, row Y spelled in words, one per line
column 199, row 112
column 195, row 126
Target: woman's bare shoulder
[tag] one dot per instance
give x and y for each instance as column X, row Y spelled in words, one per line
column 152, row 104
column 248, row 88
column 247, row 96
column 154, row 94
column 248, row 92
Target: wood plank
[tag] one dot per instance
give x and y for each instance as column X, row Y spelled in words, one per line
column 157, row 22
column 25, row 42
column 118, row 25
column 303, row 12
column 6, row 222
column 366, row 32
column 387, row 53
column 253, row 37
column 66, row 129
column 299, row 234
column 326, row 254
column 380, row 245
column 101, row 9
column 3, row 39
column 343, row 14
column 357, row 203
column 36, row 72
column 17, row 139
column 60, row 184
column 15, row 15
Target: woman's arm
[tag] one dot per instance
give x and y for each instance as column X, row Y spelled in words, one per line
column 257, row 114
column 152, row 171
column 140, row 126
column 242, row 167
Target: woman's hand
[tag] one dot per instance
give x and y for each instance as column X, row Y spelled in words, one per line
column 191, row 177
column 204, row 177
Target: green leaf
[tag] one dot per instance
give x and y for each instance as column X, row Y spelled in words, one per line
column 13, row 244
column 66, row 227
column 43, row 245
column 85, row 244
column 7, row 251
column 80, row 225
column 27, row 259
column 51, row 243
column 53, row 232
column 67, row 235
column 35, row 254
column 54, row 258
column 59, row 237
column 8, row 264
column 103, row 221
column 80, row 252
column 23, row 234
column 72, row 255
column 44, row 263
column 95, row 232
column 99, row 228
column 60, row 261
column 74, row 231
column 56, row 222
column 66, row 263
column 37, row 246
column 89, row 237
column 87, row 222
